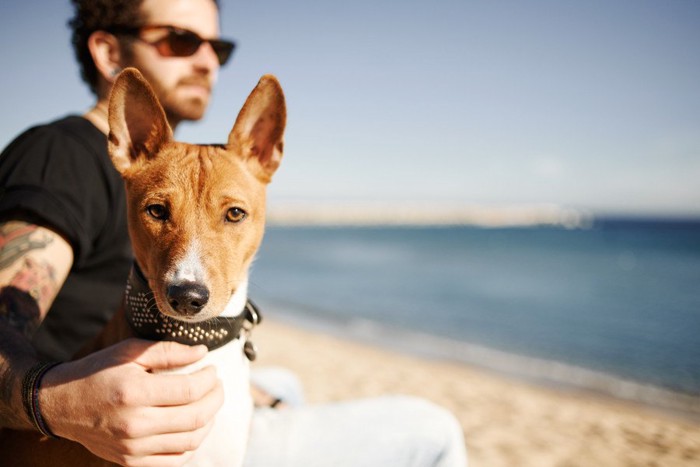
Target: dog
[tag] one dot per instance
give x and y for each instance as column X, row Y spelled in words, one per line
column 196, row 217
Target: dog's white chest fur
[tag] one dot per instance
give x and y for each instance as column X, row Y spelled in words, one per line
column 226, row 443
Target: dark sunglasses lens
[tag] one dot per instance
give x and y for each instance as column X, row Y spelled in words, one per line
column 223, row 50
column 183, row 43
column 186, row 43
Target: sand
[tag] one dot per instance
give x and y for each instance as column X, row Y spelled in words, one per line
column 506, row 422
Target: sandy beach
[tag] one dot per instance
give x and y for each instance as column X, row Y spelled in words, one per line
column 505, row 422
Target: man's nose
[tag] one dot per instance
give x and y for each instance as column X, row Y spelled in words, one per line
column 205, row 58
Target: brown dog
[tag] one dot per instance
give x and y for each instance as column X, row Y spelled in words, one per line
column 196, row 219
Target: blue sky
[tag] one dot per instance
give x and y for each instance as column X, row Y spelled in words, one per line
column 585, row 104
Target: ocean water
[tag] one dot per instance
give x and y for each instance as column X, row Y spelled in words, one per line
column 612, row 308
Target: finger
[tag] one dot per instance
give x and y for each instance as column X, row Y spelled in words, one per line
column 172, row 444
column 138, row 452
column 182, row 418
column 167, row 355
column 162, row 390
column 158, row 460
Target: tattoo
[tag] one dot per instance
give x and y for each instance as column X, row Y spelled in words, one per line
column 16, row 240
column 19, row 310
column 39, row 280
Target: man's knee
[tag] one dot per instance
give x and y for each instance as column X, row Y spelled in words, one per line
column 431, row 430
column 279, row 383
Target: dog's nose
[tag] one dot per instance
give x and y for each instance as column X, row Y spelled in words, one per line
column 187, row 298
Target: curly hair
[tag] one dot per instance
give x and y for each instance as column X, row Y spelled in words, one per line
column 100, row 15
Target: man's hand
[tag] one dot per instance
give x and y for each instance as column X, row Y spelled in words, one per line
column 111, row 402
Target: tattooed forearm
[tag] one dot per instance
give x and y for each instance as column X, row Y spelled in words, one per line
column 16, row 239
column 28, row 287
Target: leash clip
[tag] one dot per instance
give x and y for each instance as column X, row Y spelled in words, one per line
column 252, row 319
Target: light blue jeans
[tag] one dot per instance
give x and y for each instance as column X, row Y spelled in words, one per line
column 390, row 431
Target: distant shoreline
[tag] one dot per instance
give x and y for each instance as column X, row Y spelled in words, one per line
column 375, row 214
column 380, row 214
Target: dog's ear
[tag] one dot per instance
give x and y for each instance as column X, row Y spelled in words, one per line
column 137, row 123
column 258, row 132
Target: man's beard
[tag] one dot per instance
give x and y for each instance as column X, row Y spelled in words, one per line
column 178, row 108
column 187, row 109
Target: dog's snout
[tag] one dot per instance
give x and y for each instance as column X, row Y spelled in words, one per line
column 187, row 298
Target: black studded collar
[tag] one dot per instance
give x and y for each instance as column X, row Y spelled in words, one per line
column 148, row 323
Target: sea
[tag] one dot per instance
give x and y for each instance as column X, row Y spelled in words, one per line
column 612, row 308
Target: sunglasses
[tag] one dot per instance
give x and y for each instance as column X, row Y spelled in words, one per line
column 179, row 42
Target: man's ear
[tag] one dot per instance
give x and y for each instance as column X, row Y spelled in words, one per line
column 258, row 132
column 137, row 123
column 106, row 55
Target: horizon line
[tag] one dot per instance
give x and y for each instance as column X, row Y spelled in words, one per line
column 345, row 213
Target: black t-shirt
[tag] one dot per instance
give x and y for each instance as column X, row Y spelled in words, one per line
column 61, row 174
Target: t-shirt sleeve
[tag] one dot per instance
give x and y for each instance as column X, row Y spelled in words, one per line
column 55, row 177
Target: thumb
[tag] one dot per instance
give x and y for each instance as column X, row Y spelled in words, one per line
column 166, row 355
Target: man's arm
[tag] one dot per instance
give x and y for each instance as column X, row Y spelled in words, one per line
column 34, row 263
column 109, row 401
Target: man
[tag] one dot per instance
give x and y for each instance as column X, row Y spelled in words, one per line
column 65, row 253
column 65, row 250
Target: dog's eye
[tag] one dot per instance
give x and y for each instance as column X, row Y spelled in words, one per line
column 235, row 215
column 157, row 211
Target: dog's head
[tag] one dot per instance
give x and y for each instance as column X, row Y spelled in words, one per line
column 196, row 212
